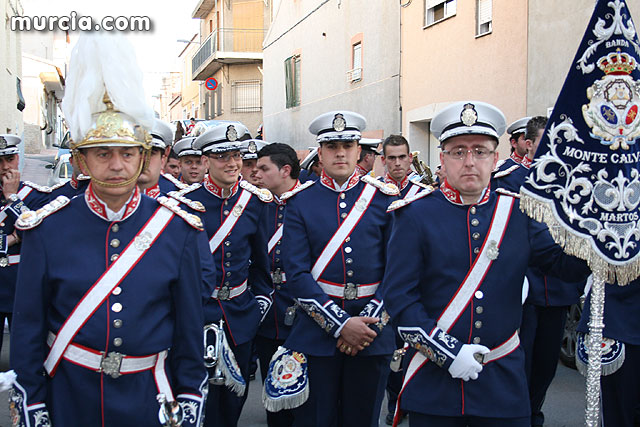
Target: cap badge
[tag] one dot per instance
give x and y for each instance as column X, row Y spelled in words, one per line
column 3, row 143
column 252, row 147
column 469, row 115
column 339, row 124
column 232, row 134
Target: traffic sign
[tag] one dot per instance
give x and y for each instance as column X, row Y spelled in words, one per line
column 211, row 83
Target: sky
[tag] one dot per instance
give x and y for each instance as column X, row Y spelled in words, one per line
column 158, row 50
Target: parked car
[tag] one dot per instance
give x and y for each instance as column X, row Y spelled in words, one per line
column 61, row 171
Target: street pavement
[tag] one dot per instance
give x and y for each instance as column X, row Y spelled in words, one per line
column 564, row 406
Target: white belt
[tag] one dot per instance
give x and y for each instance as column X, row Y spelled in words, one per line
column 503, row 349
column 226, row 293
column 350, row 291
column 112, row 363
column 9, row 260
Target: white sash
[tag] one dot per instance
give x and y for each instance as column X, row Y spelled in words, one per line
column 274, row 239
column 358, row 209
column 480, row 267
column 413, row 190
column 230, row 221
column 109, row 280
column 24, row 192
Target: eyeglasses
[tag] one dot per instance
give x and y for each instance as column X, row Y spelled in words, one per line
column 478, row 153
column 224, row 157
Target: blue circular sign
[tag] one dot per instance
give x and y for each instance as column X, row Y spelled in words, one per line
column 211, row 83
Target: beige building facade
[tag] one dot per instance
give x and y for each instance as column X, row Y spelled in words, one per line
column 514, row 54
column 230, row 51
column 324, row 55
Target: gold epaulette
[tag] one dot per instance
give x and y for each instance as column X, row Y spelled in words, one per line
column 407, row 200
column 507, row 193
column 193, row 204
column 30, row 219
column 505, row 172
column 181, row 185
column 288, row 194
column 42, row 188
column 172, row 205
column 385, row 187
column 262, row 193
column 498, row 165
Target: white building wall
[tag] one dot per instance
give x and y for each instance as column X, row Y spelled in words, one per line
column 321, row 31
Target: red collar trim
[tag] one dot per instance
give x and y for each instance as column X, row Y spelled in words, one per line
column 74, row 182
column 526, row 162
column 100, row 209
column 454, row 197
column 218, row 191
column 518, row 159
column 401, row 185
column 329, row 182
column 361, row 171
column 152, row 192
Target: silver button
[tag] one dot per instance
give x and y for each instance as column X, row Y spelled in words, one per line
column 348, row 250
column 475, row 222
column 277, row 251
column 472, row 210
column 343, row 205
column 115, row 228
column 117, row 323
column 342, row 195
column 476, row 340
column 280, row 216
column 279, row 224
column 228, row 254
column 1, row 224
column 343, row 215
column 228, row 273
column 117, row 290
column 226, row 202
column 277, row 259
column 226, row 283
column 115, row 243
column 479, row 309
column 225, row 212
column 348, row 239
column 114, row 257
column 116, row 308
column 476, row 250
column 278, row 287
column 227, row 264
column 227, row 243
column 117, row 341
column 281, row 207
column 475, row 236
column 348, row 260
column 479, row 295
column 478, row 324
column 350, row 273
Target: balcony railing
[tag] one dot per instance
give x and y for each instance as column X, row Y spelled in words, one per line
column 228, row 40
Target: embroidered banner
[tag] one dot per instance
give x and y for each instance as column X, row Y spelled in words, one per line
column 584, row 181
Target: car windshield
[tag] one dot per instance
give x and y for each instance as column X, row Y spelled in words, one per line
column 66, row 171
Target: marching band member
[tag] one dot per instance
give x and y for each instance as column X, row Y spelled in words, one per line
column 98, row 339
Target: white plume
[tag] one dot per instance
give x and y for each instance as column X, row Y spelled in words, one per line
column 102, row 61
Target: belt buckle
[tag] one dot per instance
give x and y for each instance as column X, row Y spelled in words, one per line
column 110, row 365
column 479, row 358
column 224, row 293
column 350, row 291
column 276, row 277
column 4, row 262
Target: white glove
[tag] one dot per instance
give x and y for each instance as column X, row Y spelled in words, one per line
column 465, row 366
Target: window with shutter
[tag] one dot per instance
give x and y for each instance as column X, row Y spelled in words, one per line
column 438, row 10
column 483, row 17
